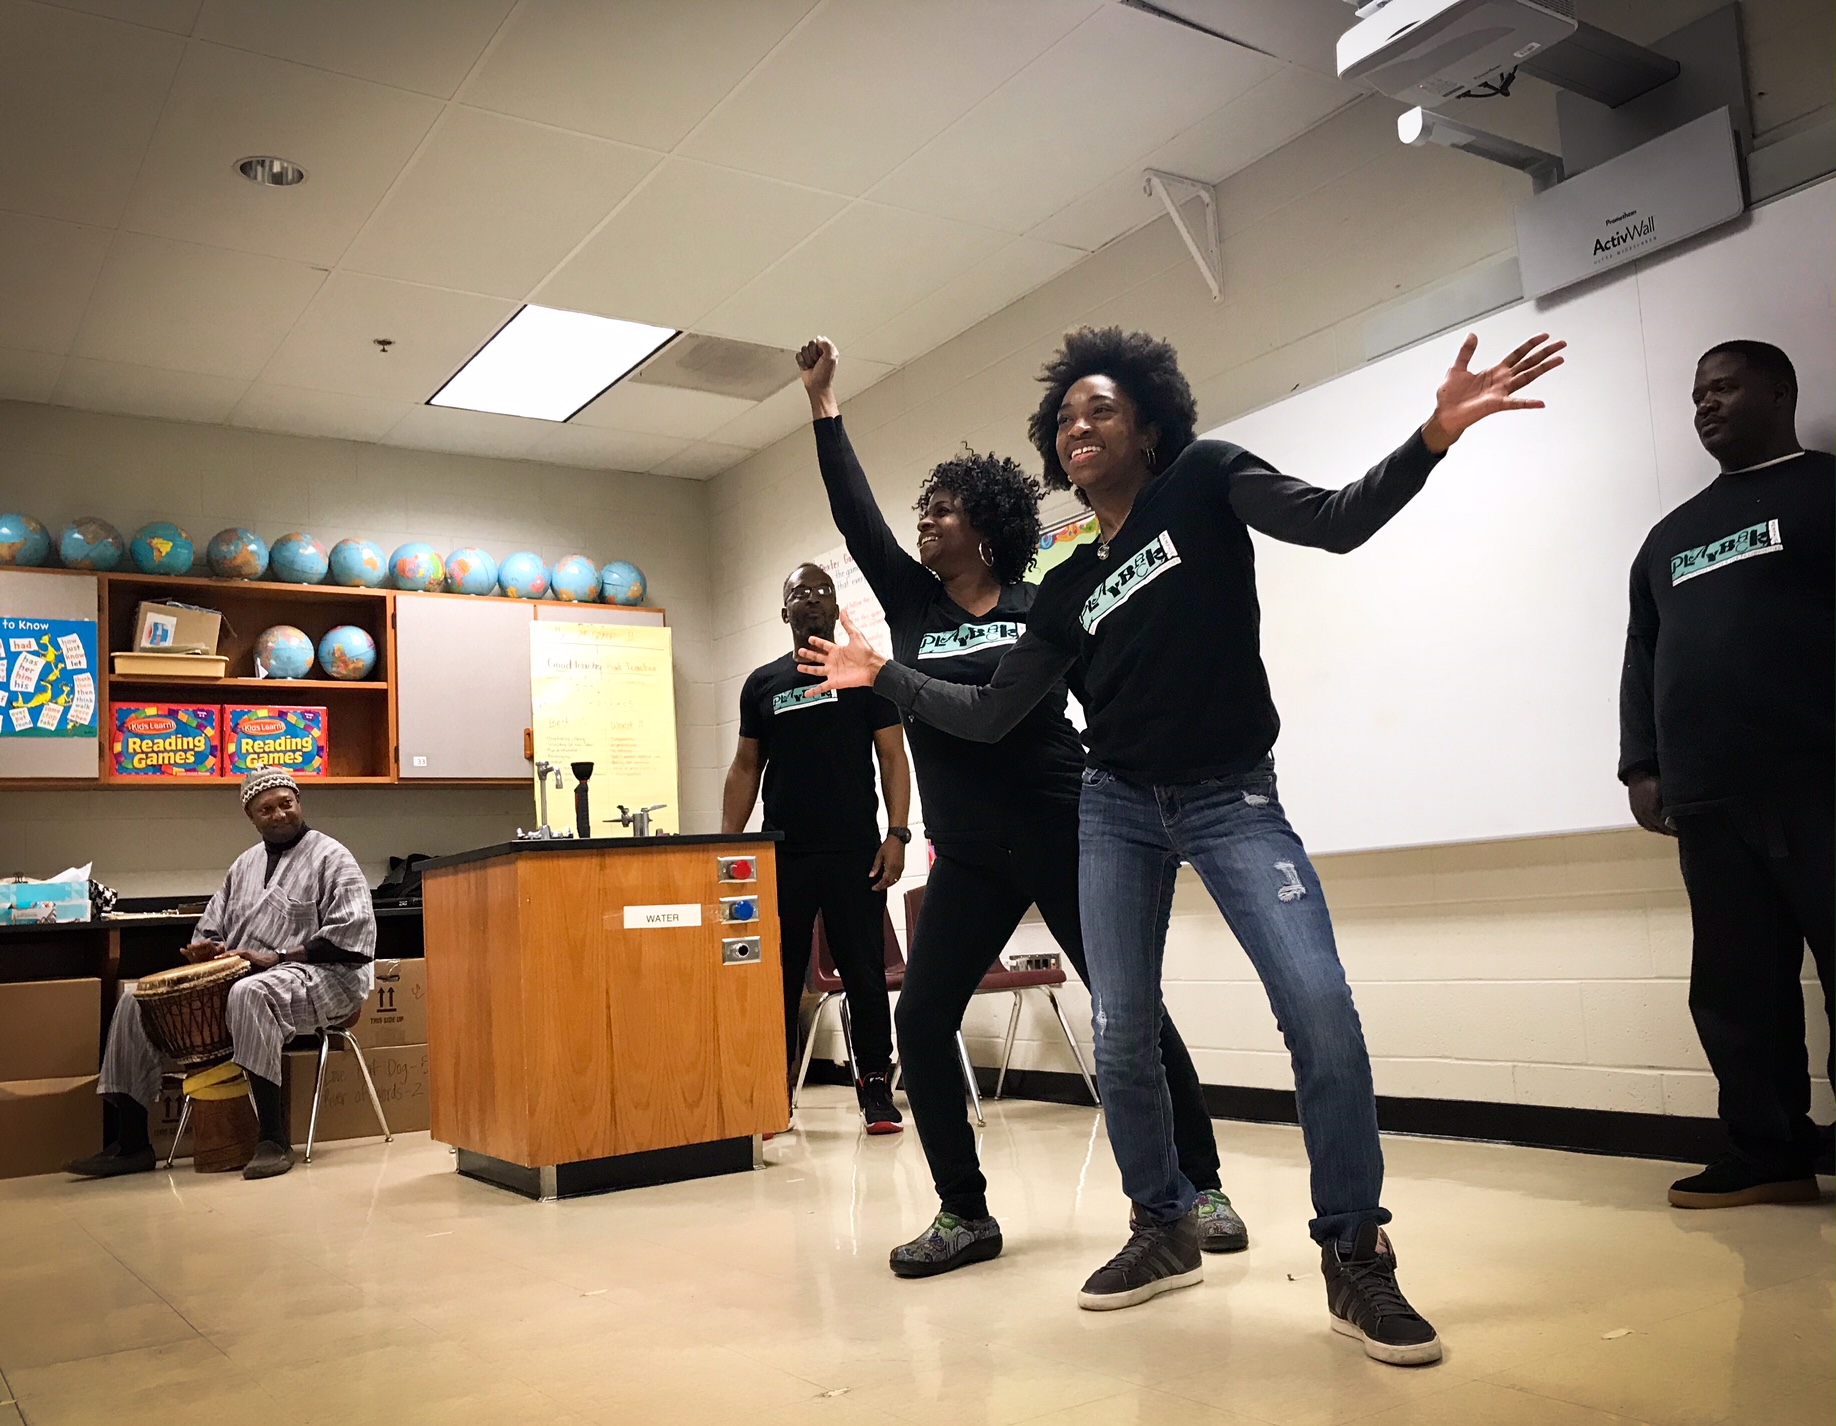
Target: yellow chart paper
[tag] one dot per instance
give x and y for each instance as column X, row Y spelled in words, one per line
column 605, row 694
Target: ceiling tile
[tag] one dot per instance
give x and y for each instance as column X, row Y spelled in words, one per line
column 147, row 391
column 190, row 308
column 440, row 428
column 299, row 412
column 28, row 376
column 778, row 416
column 858, row 273
column 599, row 449
column 990, row 285
column 492, row 204
column 434, row 333
column 884, row 79
column 634, row 70
column 702, row 461
column 177, row 16
column 79, row 97
column 351, row 137
column 425, row 45
column 1050, row 147
column 46, row 272
column 686, row 241
column 662, row 410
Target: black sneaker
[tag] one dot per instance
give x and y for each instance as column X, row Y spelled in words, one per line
column 878, row 1111
column 1220, row 1229
column 950, row 1242
column 112, row 1163
column 1366, row 1303
column 1157, row 1258
column 1735, row 1180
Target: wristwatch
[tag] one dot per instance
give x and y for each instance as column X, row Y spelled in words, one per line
column 904, row 834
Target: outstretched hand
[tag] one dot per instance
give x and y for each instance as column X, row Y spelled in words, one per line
column 816, row 365
column 850, row 665
column 1467, row 397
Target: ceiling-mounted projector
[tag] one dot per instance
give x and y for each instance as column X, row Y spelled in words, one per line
column 1429, row 51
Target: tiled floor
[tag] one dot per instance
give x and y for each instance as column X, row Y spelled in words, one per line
column 376, row 1286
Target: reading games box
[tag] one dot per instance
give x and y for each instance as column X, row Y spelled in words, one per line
column 167, row 740
column 291, row 738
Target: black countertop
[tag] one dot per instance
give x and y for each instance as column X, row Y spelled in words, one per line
column 600, row 844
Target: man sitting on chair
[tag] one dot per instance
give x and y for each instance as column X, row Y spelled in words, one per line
column 297, row 909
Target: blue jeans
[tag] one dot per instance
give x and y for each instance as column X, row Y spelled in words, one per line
column 1233, row 832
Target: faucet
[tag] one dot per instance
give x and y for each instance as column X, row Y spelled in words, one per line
column 543, row 833
column 638, row 821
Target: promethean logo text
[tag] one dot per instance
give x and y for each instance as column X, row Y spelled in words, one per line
column 1636, row 232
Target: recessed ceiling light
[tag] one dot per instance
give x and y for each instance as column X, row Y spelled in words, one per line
column 271, row 172
column 549, row 364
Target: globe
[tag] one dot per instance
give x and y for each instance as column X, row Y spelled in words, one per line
column 23, row 541
column 161, row 548
column 622, row 583
column 236, row 553
column 347, row 652
column 471, row 571
column 299, row 559
column 283, row 652
column 358, row 564
column 89, row 543
column 523, row 575
column 417, row 566
column 575, row 580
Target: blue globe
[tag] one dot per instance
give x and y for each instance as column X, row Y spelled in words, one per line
column 523, row 576
column 161, row 548
column 89, row 543
column 358, row 564
column 417, row 566
column 347, row 652
column 23, row 541
column 622, row 583
column 237, row 554
column 283, row 652
column 575, row 580
column 471, row 571
column 299, row 559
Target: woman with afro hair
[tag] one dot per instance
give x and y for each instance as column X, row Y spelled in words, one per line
column 1159, row 620
column 1002, row 815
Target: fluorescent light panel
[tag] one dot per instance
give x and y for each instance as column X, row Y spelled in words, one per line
column 549, row 364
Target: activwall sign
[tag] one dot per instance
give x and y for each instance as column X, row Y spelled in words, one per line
column 1659, row 193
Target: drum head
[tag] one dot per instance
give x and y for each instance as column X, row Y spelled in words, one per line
column 181, row 979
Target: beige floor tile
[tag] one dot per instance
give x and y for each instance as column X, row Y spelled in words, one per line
column 9, row 1414
column 1483, row 1404
column 182, row 1384
column 1142, row 1408
column 83, row 1306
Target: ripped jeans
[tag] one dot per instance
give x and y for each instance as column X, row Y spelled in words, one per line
column 1232, row 830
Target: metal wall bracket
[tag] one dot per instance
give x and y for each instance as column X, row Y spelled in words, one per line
column 1173, row 190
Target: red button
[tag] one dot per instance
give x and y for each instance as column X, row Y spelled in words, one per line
column 742, row 869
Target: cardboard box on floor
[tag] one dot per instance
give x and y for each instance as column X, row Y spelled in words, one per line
column 45, row 1123
column 400, row 1072
column 396, row 1012
column 50, row 1029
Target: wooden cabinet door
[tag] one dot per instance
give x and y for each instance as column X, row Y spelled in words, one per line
column 462, row 690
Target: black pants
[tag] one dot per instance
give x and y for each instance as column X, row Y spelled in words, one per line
column 974, row 899
column 1759, row 879
column 853, row 919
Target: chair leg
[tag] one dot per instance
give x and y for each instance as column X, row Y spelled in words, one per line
column 363, row 1068
column 1007, row 1050
column 184, row 1120
column 1076, row 1053
column 847, row 1022
column 809, row 1047
column 975, row 1094
column 318, row 1090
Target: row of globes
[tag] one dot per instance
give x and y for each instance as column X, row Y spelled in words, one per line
column 162, row 547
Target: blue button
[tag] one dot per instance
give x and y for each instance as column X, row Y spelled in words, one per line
column 743, row 910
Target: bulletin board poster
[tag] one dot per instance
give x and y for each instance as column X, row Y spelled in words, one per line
column 48, row 678
column 605, row 694
column 1057, row 542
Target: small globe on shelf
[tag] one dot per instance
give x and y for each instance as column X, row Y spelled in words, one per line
column 575, row 580
column 417, row 566
column 299, row 559
column 622, row 582
column 161, row 547
column 23, row 541
column 283, row 652
column 89, row 543
column 471, row 571
column 347, row 653
column 523, row 576
column 358, row 564
column 237, row 553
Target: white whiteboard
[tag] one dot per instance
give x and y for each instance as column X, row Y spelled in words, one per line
column 1457, row 679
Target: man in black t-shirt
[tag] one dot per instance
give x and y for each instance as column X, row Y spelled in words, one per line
column 1725, row 744
column 815, row 756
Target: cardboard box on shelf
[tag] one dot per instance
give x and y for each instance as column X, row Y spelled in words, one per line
column 166, row 739
column 176, row 629
column 50, row 1029
column 396, row 1012
column 400, row 1072
column 45, row 1123
column 293, row 738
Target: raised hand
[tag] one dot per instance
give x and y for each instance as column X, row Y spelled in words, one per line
column 850, row 665
column 1467, row 397
column 816, row 365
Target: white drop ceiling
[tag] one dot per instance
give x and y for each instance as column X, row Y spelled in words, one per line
column 886, row 171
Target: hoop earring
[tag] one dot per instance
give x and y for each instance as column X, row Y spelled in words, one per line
column 982, row 550
column 1148, row 455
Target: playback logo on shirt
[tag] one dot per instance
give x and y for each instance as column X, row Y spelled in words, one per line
column 969, row 636
column 1150, row 562
column 793, row 699
column 1760, row 539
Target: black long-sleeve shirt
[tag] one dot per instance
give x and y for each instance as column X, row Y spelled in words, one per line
column 972, row 791
column 1164, row 633
column 1726, row 691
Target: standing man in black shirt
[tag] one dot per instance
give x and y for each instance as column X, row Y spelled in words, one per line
column 1725, row 715
column 814, row 752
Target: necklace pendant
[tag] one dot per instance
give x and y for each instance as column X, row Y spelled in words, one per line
column 1103, row 549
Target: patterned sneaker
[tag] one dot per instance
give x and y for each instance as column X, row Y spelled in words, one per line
column 1220, row 1229
column 1366, row 1303
column 878, row 1111
column 1157, row 1258
column 950, row 1242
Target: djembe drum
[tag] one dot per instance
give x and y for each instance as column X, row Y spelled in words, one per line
column 185, row 1012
